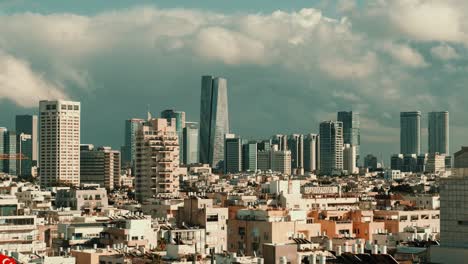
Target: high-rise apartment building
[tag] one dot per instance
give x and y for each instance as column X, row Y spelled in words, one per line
column 296, row 146
column 331, row 147
column 214, row 120
column 157, row 162
column 24, row 163
column 410, row 132
column 351, row 129
column 311, row 152
column 249, row 156
column 100, row 166
column 190, row 142
column 179, row 118
column 232, row 154
column 59, row 142
column 27, row 124
column 438, row 132
column 128, row 150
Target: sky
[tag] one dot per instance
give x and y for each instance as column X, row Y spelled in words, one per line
column 289, row 64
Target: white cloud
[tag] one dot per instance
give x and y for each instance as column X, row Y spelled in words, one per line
column 20, row 84
column 341, row 68
column 444, row 52
column 345, row 6
column 406, row 55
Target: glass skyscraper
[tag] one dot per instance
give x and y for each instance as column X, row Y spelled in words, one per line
column 410, row 132
column 351, row 129
column 128, row 151
column 179, row 117
column 190, row 143
column 3, row 134
column 249, row 156
column 331, row 148
column 24, row 146
column 438, row 132
column 296, row 146
column 27, row 124
column 214, row 120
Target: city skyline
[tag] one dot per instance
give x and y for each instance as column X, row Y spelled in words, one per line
column 373, row 76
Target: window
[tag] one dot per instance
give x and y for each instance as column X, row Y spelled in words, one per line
column 76, row 107
column 134, row 238
column 242, row 231
column 63, row 107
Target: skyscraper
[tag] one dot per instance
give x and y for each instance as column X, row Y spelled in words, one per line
column 27, row 124
column 410, row 132
column 128, row 151
column 3, row 133
column 296, row 146
column 59, row 142
column 281, row 141
column 10, row 150
column 250, row 156
column 24, row 147
column 280, row 160
column 190, row 142
column 351, row 129
column 311, row 152
column 214, row 120
column 232, row 154
column 331, row 147
column 438, row 132
column 179, row 117
column 157, row 165
column 370, row 162
column 349, row 159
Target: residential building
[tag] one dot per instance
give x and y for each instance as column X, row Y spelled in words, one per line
column 190, row 136
column 435, row 163
column 179, row 118
column 59, row 148
column 410, row 132
column 280, row 161
column 331, row 147
column 214, row 120
column 438, row 133
column 100, row 166
column 157, row 163
column 135, row 230
column 88, row 200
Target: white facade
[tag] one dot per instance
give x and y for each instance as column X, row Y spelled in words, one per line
column 59, row 150
column 281, row 161
column 349, row 159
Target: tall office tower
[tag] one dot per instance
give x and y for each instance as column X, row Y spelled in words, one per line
column 410, row 163
column 59, row 142
column 264, row 145
column 3, row 133
column 331, row 147
column 10, row 150
column 128, row 150
column 190, row 143
column 438, row 133
column 310, row 152
column 396, row 162
column 370, row 162
column 232, row 154
column 100, row 166
column 27, row 124
column 24, row 146
column 281, row 141
column 249, row 155
column 296, row 146
column 157, row 162
column 281, row 161
column 179, row 118
column 351, row 129
column 264, row 160
column 214, row 120
column 349, row 159
column 410, row 132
